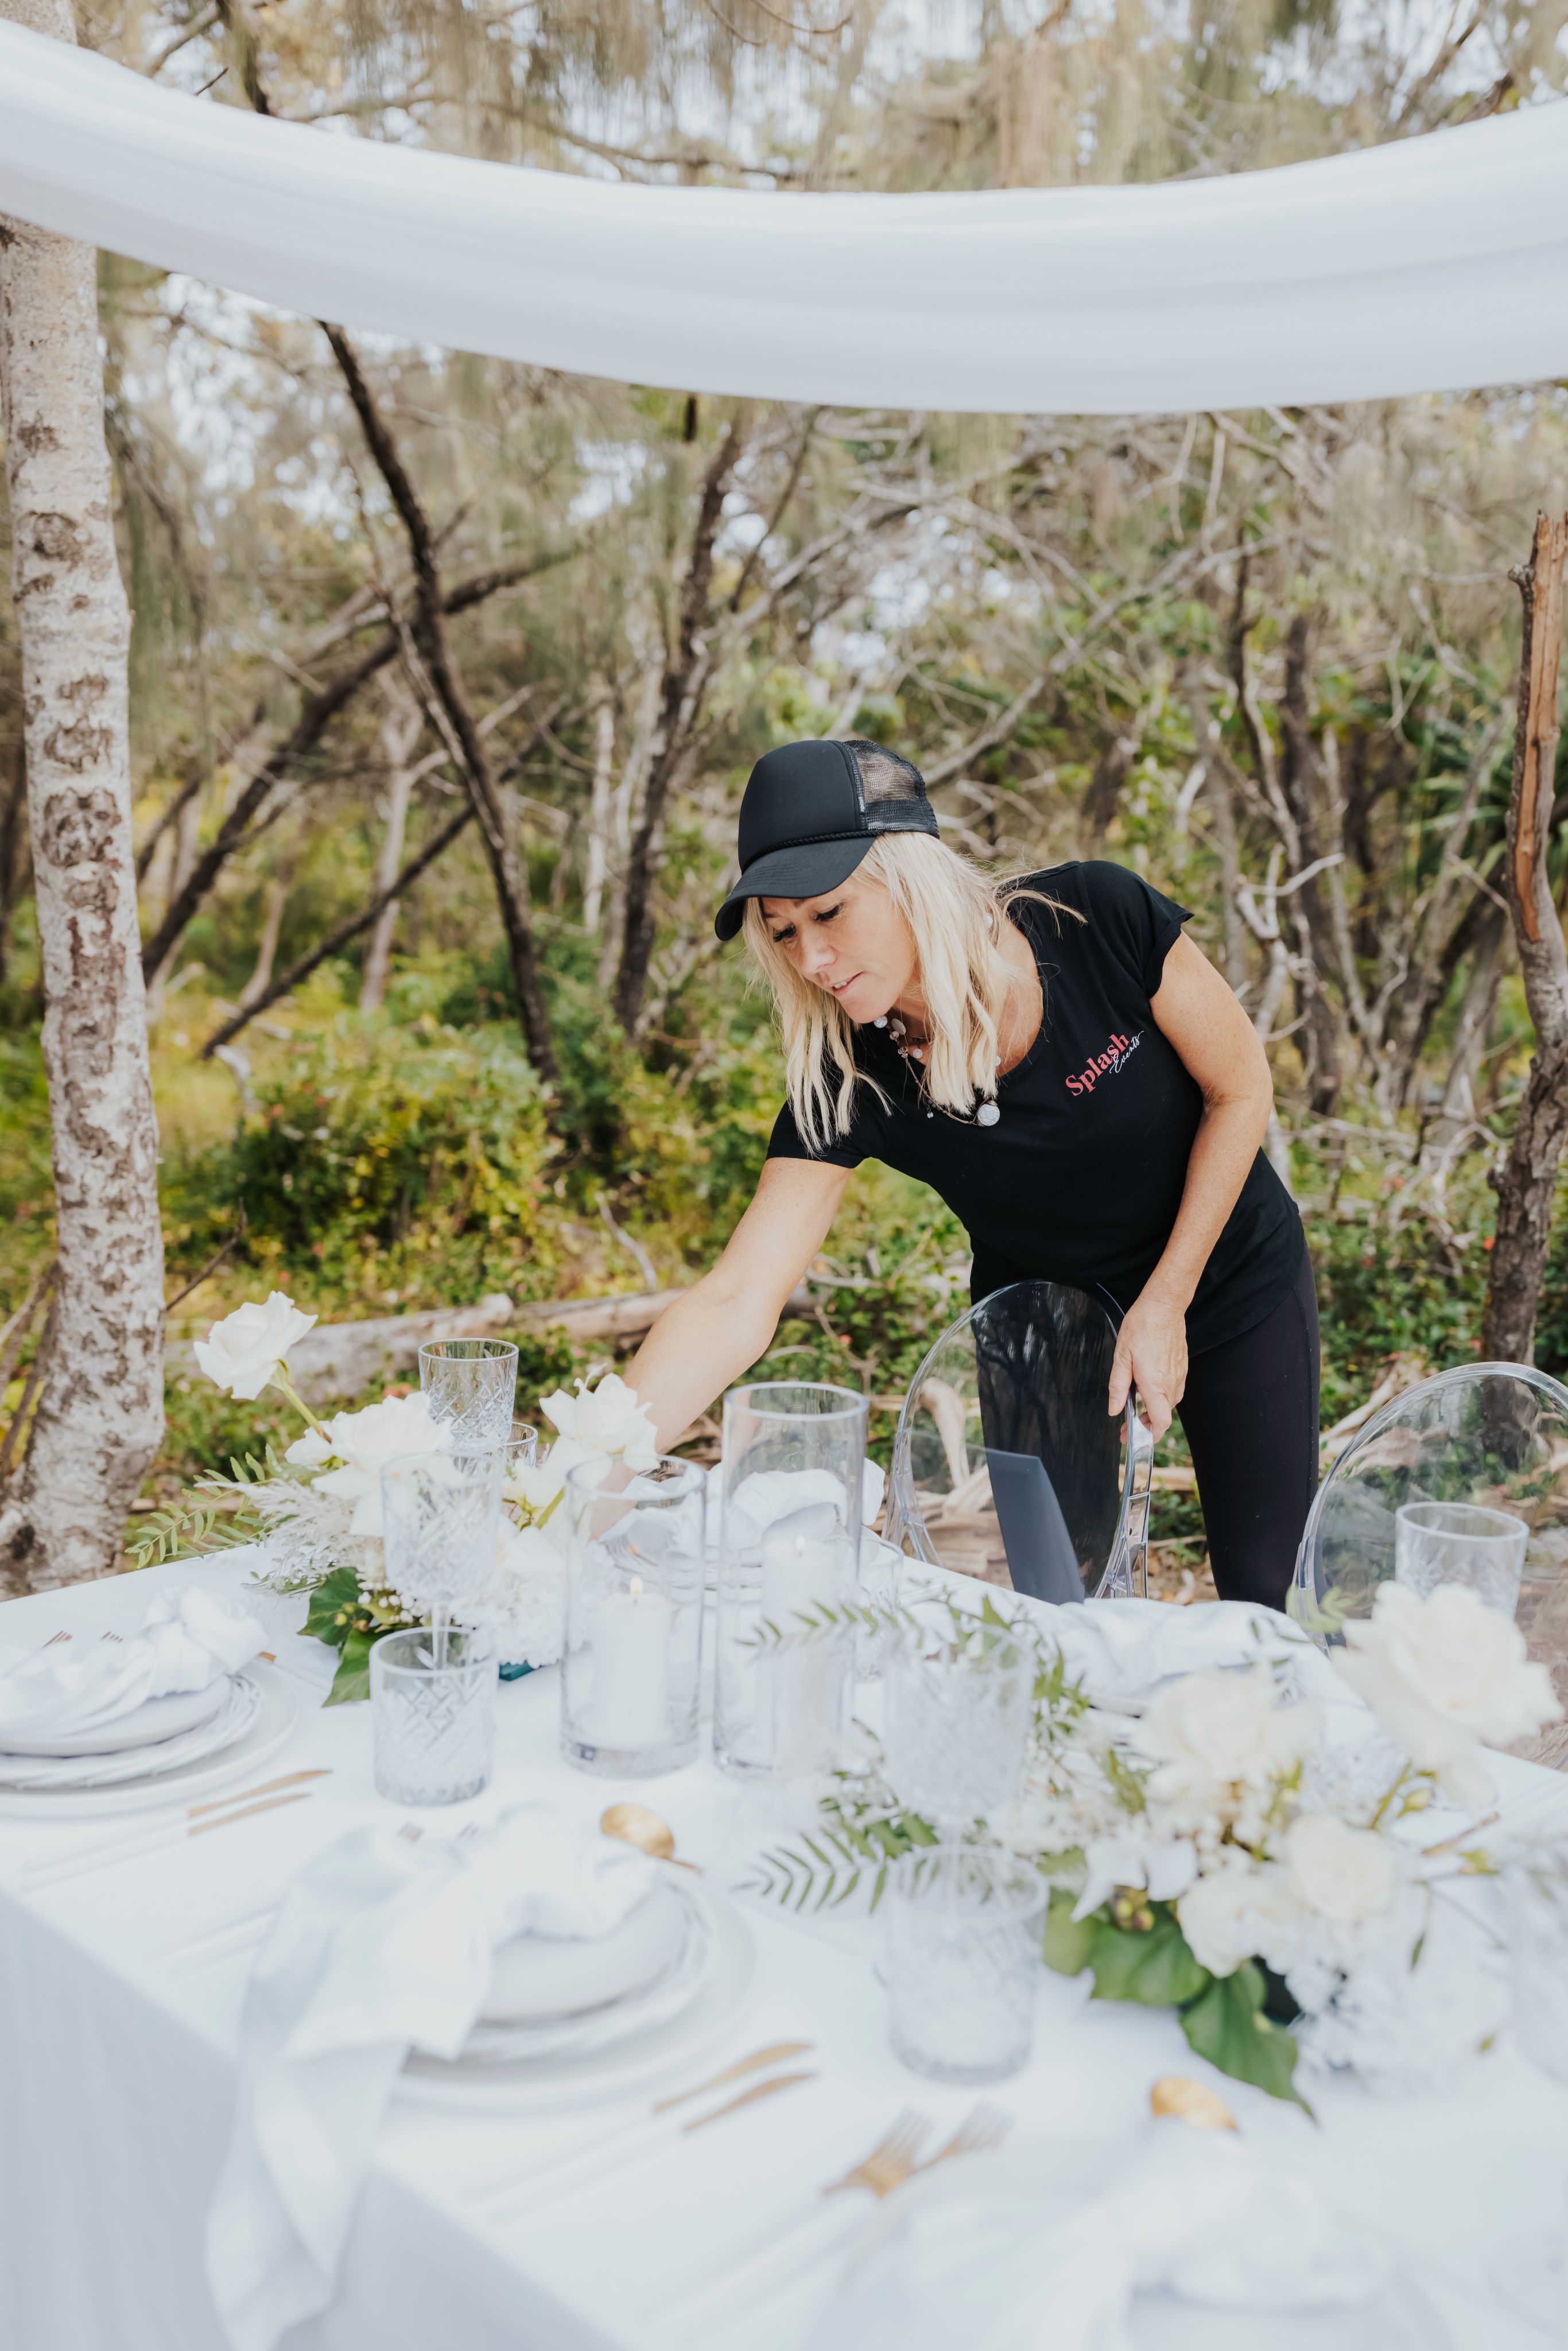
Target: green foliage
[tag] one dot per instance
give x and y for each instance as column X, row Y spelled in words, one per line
column 1227, row 2025
column 337, row 1616
column 218, row 1514
column 374, row 1147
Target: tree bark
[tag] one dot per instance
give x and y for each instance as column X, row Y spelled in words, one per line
column 1529, row 1177
column 401, row 730
column 596, row 863
column 101, row 1402
column 685, row 676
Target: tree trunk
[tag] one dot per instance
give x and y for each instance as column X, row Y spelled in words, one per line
column 401, row 730
column 101, row 1406
column 274, row 898
column 1529, row 1178
column 684, row 677
column 597, row 861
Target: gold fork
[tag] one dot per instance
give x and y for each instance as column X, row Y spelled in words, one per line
column 891, row 2161
column 981, row 2132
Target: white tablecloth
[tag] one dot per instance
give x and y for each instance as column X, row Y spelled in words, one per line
column 117, row 2082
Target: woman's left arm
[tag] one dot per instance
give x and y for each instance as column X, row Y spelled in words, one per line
column 1201, row 1018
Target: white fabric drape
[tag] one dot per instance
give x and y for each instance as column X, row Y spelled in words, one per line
column 1438, row 263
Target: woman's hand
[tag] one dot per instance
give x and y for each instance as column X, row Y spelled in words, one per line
column 1151, row 1353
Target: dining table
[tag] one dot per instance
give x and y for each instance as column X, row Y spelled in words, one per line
column 120, row 1996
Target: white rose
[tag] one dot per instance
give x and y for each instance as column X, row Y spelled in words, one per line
column 1444, row 1675
column 310, row 1451
column 1215, row 1735
column 243, row 1352
column 365, row 1441
column 1342, row 1873
column 525, row 1601
column 605, row 1419
column 1239, row 1912
column 1162, row 1867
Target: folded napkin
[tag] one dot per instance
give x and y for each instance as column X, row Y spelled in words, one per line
column 1201, row 2218
column 188, row 1638
column 380, row 1947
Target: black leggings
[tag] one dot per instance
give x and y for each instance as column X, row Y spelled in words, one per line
column 1251, row 1414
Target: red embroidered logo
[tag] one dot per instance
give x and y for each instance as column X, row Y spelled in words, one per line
column 1105, row 1064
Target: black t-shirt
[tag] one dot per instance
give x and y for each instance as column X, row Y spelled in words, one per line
column 1080, row 1178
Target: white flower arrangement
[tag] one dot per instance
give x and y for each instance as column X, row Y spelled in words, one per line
column 1237, row 1855
column 317, row 1512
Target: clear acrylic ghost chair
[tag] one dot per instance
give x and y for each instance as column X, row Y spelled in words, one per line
column 1491, row 1434
column 1007, row 1465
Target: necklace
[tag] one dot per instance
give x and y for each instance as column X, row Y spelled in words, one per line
column 912, row 1053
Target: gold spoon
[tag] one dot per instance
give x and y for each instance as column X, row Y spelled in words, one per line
column 635, row 1824
column 1191, row 2102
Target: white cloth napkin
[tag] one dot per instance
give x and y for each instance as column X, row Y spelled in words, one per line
column 381, row 1946
column 1198, row 2216
column 188, row 1638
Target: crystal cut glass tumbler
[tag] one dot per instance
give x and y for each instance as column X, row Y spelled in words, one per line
column 629, row 1668
column 957, row 1713
column 433, row 1727
column 789, row 1535
column 472, row 1385
column 1461, row 1542
column 961, row 1958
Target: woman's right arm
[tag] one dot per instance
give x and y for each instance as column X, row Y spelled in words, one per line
column 701, row 1344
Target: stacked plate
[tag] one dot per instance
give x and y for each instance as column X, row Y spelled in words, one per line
column 567, row 2020
column 175, row 1745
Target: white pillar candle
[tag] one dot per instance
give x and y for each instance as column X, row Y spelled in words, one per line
column 804, row 1684
column 632, row 1667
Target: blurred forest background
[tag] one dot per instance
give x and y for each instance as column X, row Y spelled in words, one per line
column 1267, row 659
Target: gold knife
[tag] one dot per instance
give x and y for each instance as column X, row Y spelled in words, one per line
column 748, row 2098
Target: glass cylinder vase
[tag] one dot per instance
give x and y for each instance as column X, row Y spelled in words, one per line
column 629, row 1684
column 790, row 1533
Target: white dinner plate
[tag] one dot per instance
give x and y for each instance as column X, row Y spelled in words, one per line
column 271, row 1727
column 546, row 2084
column 669, row 1995
column 1047, row 2180
column 154, row 1719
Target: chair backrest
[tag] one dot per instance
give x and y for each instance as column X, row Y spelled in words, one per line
column 1493, row 1435
column 1007, row 1465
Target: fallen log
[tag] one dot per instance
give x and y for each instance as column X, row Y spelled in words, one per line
column 342, row 1359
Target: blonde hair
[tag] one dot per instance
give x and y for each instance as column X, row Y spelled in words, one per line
column 955, row 913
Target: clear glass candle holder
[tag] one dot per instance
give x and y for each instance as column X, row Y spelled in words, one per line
column 957, row 1715
column 433, row 1726
column 441, row 1515
column 961, row 1961
column 1461, row 1542
column 629, row 1668
column 472, row 1385
column 789, row 1547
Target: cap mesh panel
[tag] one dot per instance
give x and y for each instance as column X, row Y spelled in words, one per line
column 887, row 781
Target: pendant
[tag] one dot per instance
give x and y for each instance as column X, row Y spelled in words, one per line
column 881, row 1020
column 987, row 1114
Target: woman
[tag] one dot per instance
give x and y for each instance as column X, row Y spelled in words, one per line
column 1073, row 1077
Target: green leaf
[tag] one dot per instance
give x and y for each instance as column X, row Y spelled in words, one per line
column 1068, row 1945
column 1227, row 2025
column 335, row 1593
column 353, row 1679
column 1152, row 1965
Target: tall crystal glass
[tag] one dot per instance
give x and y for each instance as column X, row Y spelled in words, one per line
column 1530, row 2273
column 630, row 1669
column 789, row 1535
column 962, row 1961
column 1461, row 1542
column 957, row 1713
column 441, row 1516
column 472, row 1385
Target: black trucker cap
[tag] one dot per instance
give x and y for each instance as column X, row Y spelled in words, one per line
column 810, row 813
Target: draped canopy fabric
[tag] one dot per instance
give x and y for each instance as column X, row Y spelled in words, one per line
column 1432, row 264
